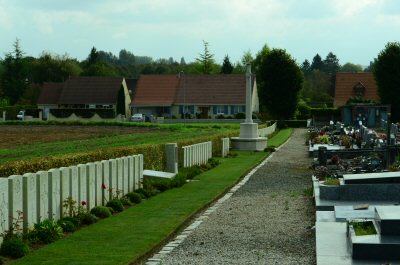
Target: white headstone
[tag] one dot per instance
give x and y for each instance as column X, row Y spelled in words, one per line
column 137, row 171
column 105, row 182
column 29, row 201
column 82, row 183
column 65, row 186
column 14, row 198
column 125, row 175
column 131, row 174
column 91, row 185
column 74, row 183
column 3, row 206
column 98, row 181
column 112, row 177
column 42, row 195
column 55, row 204
column 140, row 171
column 120, row 177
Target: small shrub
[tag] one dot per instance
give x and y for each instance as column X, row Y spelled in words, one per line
column 101, row 211
column 88, row 218
column 1, row 260
column 161, row 184
column 179, row 180
column 74, row 220
column 240, row 115
column 322, row 172
column 116, row 205
column 213, row 162
column 331, row 182
column 125, row 201
column 143, row 193
column 46, row 231
column 134, row 197
column 67, row 226
column 14, row 248
column 193, row 171
column 111, row 210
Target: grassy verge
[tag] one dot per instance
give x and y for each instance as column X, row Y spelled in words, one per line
column 280, row 137
column 131, row 234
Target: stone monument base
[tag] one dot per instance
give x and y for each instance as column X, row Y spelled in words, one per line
column 249, row 144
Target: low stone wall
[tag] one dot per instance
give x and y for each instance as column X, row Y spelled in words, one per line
column 264, row 132
column 95, row 117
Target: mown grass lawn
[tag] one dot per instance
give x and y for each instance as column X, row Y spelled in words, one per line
column 126, row 237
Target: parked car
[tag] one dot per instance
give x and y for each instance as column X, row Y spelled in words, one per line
column 138, row 117
column 21, row 115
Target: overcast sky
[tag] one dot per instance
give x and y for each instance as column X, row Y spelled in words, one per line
column 354, row 30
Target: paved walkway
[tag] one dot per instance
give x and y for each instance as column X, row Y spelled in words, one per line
column 267, row 221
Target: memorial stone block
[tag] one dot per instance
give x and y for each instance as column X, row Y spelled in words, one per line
column 55, row 205
column 91, row 185
column 42, row 194
column 3, row 206
column 14, row 198
column 29, row 202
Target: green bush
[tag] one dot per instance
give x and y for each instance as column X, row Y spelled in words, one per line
column 46, row 231
column 101, row 211
column 213, row 162
column 74, row 220
column 161, row 184
column 179, row 180
column 125, row 201
column 67, row 225
column 1, row 260
column 240, row 115
column 134, row 197
column 88, row 218
column 14, row 248
column 116, row 205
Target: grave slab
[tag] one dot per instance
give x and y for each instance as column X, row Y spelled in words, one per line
column 343, row 213
column 158, row 174
column 388, row 220
column 372, row 178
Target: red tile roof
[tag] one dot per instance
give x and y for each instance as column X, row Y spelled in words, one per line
column 50, row 93
column 345, row 83
column 212, row 89
column 91, row 90
column 155, row 90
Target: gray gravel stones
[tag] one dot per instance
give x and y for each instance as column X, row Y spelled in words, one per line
column 266, row 221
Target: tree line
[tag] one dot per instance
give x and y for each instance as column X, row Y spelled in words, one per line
column 283, row 83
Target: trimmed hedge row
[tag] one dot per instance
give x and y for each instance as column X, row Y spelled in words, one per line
column 153, row 156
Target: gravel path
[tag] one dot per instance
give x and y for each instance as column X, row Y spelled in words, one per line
column 267, row 221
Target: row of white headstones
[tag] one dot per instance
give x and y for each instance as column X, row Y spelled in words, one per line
column 40, row 195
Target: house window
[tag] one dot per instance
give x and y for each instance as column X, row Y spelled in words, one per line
column 225, row 109
column 215, row 110
column 242, row 108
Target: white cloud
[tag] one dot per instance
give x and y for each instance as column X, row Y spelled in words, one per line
column 353, row 8
column 5, row 17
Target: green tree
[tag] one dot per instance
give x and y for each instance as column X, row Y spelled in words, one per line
column 387, row 76
column 93, row 56
column 227, row 67
column 247, row 58
column 206, row 59
column 351, row 68
column 306, row 67
column 281, row 80
column 126, row 57
column 331, row 64
column 99, row 69
column 316, row 88
column 14, row 78
column 317, row 63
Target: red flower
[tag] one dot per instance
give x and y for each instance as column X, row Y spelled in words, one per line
column 83, row 203
column 103, row 186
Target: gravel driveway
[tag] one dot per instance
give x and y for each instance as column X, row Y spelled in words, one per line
column 267, row 221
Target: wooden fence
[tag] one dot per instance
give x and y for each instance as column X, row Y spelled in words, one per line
column 196, row 154
column 41, row 195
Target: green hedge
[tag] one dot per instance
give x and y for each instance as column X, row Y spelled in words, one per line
column 153, row 156
column 296, row 123
column 325, row 112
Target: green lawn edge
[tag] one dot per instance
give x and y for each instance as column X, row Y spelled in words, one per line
column 132, row 234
